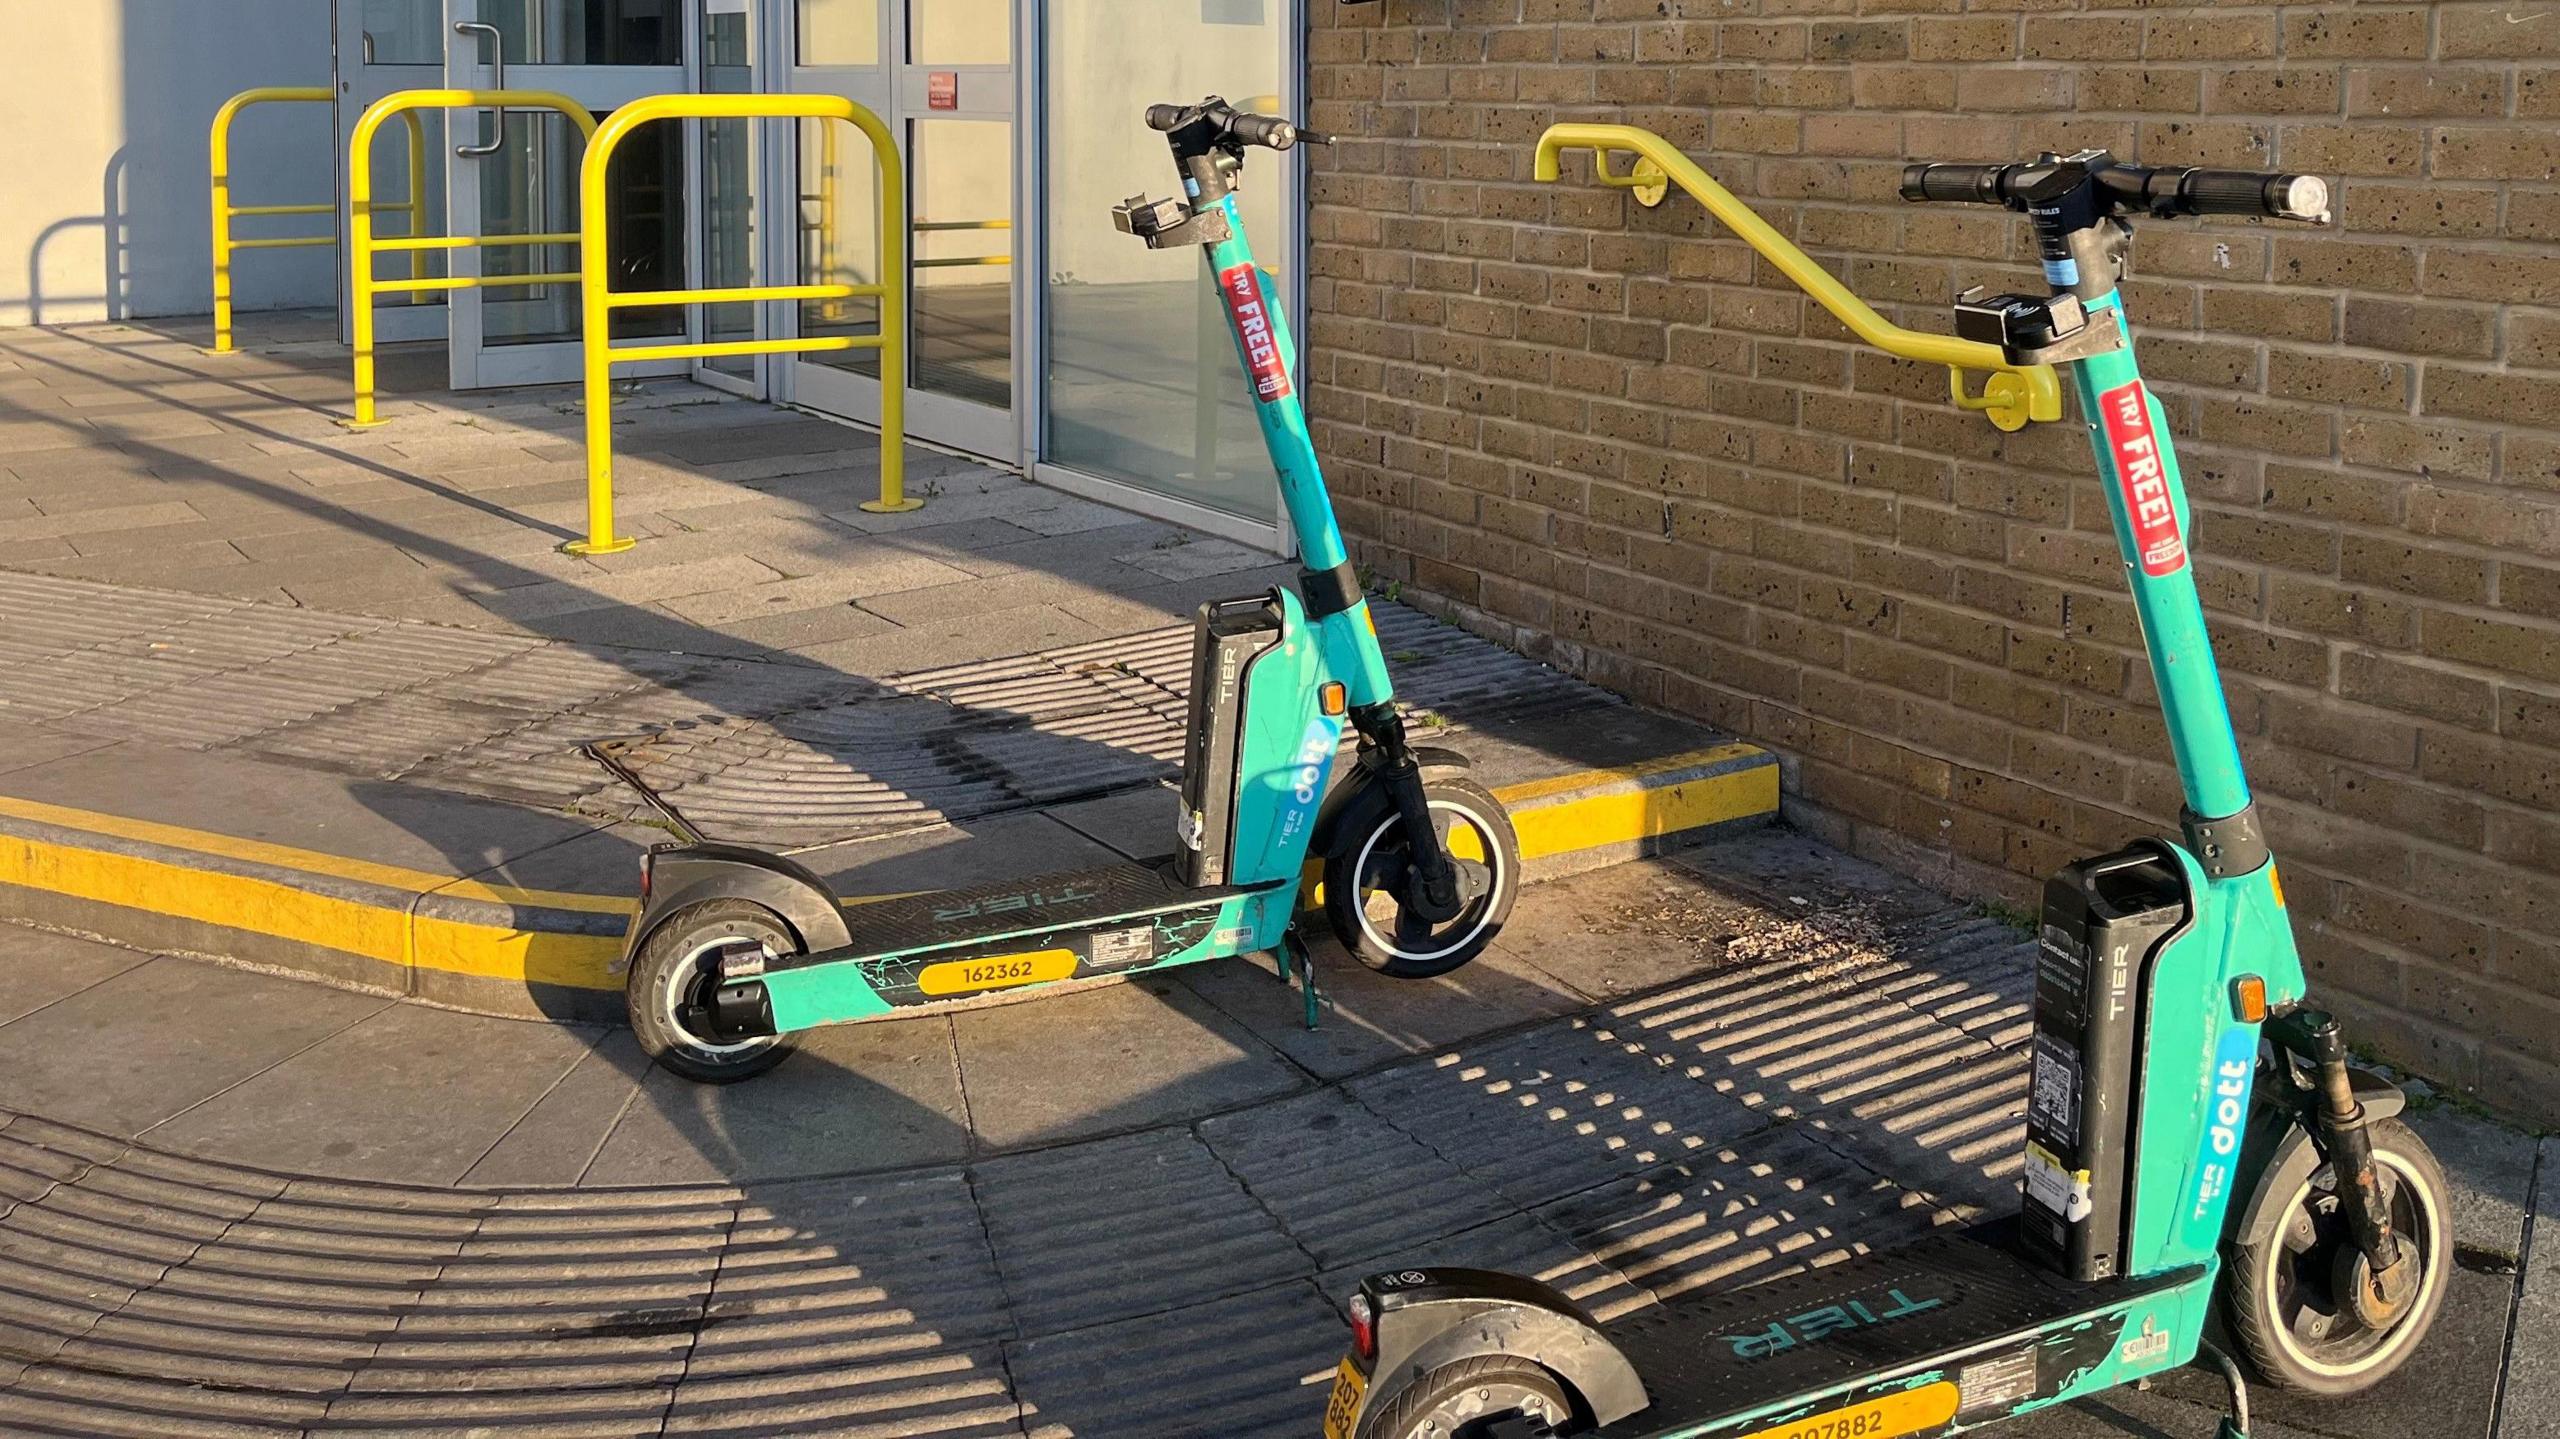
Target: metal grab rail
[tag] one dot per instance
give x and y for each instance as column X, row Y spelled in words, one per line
column 923, row 227
column 2011, row 396
column 599, row 299
column 224, row 212
column 362, row 246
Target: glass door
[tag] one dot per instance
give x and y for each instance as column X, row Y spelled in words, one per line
column 940, row 74
column 383, row 46
column 722, row 163
column 517, row 174
column 1144, row 402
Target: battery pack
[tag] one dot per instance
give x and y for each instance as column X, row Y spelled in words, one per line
column 2105, row 919
column 1226, row 637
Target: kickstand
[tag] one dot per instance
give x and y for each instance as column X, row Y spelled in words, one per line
column 2235, row 1425
column 1294, row 953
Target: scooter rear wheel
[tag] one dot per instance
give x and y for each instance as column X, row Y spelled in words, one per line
column 1474, row 1399
column 1364, row 886
column 671, row 981
column 2288, row 1300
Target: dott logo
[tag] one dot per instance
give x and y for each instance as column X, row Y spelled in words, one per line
column 2127, row 416
column 1253, row 327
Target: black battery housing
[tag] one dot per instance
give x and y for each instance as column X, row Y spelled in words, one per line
column 1226, row 637
column 2105, row 921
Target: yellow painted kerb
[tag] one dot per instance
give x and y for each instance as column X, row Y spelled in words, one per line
column 394, row 931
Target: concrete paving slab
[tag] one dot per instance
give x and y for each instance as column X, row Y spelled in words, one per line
column 26, row 743
column 38, row 967
column 2491, row 1169
column 1118, row 1057
column 883, row 1095
column 1346, row 1185
column 1089, row 1234
column 185, row 1031
column 557, row 1139
column 1623, row 930
column 408, row 1095
column 2133, row 1414
column 429, row 830
column 953, row 856
column 2531, row 1408
column 1374, row 1019
column 1253, row 1366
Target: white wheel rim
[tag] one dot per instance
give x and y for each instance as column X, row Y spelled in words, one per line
column 2431, row 1279
column 671, row 1005
column 1493, row 860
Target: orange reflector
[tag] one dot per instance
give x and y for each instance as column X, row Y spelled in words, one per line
column 2275, row 882
column 1333, row 697
column 2249, row 999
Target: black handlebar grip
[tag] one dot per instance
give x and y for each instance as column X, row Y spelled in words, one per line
column 2251, row 192
column 1164, row 117
column 1979, row 184
column 1266, row 130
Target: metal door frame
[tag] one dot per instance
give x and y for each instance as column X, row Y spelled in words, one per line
column 897, row 92
column 473, row 363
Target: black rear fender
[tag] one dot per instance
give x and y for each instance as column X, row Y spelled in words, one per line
column 1429, row 1318
column 684, row 875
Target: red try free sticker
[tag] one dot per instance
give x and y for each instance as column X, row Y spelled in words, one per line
column 2125, row 413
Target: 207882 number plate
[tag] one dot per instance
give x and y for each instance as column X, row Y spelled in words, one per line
column 1348, row 1385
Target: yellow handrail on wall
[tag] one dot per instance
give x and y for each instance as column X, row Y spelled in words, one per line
column 362, row 246
column 599, row 298
column 224, row 212
column 2011, row 396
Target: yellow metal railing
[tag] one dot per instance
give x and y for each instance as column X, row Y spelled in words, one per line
column 362, row 246
column 923, row 227
column 2011, row 396
column 224, row 212
column 599, row 298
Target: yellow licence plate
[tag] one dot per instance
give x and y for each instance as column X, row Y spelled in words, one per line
column 1913, row 1411
column 1348, row 1385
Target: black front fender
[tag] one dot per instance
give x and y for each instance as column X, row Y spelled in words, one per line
column 684, row 875
column 1430, row 1318
column 1356, row 805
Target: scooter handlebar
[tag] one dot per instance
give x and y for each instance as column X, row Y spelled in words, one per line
column 2165, row 191
column 1242, row 126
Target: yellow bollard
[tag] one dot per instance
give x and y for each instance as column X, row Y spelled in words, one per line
column 362, row 286
column 598, row 299
column 224, row 247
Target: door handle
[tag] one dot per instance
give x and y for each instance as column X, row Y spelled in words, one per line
column 496, row 135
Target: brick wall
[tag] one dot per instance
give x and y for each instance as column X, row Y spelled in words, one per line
column 1611, row 438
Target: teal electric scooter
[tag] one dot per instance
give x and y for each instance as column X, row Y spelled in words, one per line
column 2194, row 1128
column 734, row 950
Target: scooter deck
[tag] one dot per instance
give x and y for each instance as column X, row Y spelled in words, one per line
column 1113, row 917
column 1964, row 1304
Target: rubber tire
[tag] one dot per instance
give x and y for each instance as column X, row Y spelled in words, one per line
column 2260, row 1331
column 675, row 942
column 1343, row 910
column 1395, row 1420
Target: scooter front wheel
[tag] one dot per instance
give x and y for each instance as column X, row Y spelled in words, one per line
column 669, row 991
column 2291, row 1299
column 1365, row 886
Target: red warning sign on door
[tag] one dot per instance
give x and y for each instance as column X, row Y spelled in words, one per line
column 942, row 90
